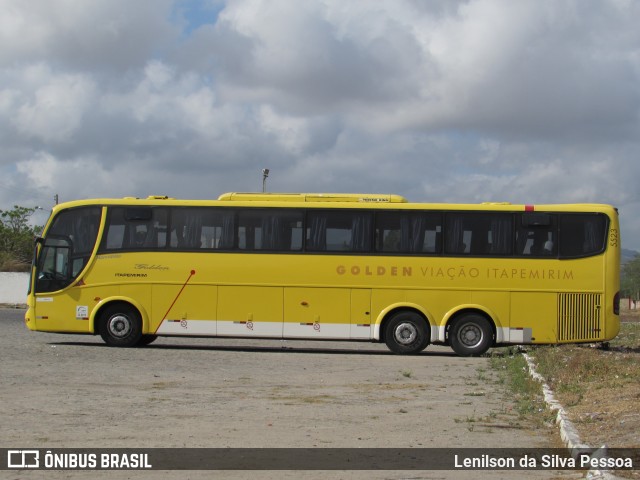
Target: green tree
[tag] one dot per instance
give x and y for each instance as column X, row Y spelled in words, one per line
column 630, row 279
column 16, row 238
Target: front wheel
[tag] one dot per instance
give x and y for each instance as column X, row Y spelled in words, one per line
column 471, row 335
column 120, row 326
column 406, row 333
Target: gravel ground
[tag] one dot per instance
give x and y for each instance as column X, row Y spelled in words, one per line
column 72, row 391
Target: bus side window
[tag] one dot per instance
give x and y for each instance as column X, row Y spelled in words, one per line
column 456, row 236
column 270, row 230
column 202, row 228
column 388, row 232
column 537, row 235
column 135, row 228
column 582, row 234
column 148, row 234
column 408, row 232
column 339, row 231
column 479, row 234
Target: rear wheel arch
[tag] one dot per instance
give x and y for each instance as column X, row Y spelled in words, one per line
column 471, row 332
column 384, row 315
column 413, row 323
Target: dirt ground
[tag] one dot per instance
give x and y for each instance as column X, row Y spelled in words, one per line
column 605, row 409
column 72, row 391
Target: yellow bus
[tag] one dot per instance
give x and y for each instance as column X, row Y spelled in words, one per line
column 328, row 267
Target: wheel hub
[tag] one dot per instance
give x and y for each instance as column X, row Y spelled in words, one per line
column 406, row 333
column 119, row 326
column 470, row 335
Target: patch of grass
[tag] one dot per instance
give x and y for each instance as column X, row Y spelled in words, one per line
column 599, row 387
column 472, row 421
column 474, row 394
column 304, row 399
column 527, row 393
column 482, row 375
column 573, row 370
column 160, row 385
column 629, row 336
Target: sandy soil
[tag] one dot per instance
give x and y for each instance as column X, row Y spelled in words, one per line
column 72, row 391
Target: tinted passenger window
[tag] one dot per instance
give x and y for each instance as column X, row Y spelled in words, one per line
column 202, row 228
column 537, row 235
column 582, row 234
column 339, row 231
column 135, row 228
column 274, row 230
column 408, row 232
column 479, row 233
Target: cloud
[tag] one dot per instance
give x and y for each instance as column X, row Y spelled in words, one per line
column 494, row 66
column 53, row 110
column 105, row 35
column 43, row 170
column 307, row 57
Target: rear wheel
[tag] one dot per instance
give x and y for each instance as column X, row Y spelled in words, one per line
column 406, row 333
column 120, row 325
column 471, row 335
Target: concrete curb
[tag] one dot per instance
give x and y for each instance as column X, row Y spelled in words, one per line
column 568, row 431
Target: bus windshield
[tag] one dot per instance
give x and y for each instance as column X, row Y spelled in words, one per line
column 66, row 248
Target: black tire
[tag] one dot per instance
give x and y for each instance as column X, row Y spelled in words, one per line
column 471, row 335
column 146, row 339
column 120, row 325
column 407, row 333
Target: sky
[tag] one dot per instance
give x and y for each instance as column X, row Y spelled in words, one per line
column 529, row 101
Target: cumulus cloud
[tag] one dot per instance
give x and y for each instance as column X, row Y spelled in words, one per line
column 53, row 110
column 471, row 100
column 107, row 34
column 43, row 169
column 312, row 57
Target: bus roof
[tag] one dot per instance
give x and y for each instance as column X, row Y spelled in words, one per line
column 339, row 200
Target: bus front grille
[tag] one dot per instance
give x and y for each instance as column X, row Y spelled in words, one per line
column 579, row 316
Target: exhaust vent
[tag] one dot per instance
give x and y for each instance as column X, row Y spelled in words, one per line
column 579, row 316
